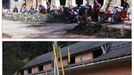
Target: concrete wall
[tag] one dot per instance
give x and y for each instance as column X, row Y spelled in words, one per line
column 34, row 69
column 25, row 72
column 83, row 57
column 78, row 59
column 47, row 66
column 64, row 61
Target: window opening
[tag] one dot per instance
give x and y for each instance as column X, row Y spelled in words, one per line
column 72, row 60
column 30, row 70
column 97, row 53
column 40, row 68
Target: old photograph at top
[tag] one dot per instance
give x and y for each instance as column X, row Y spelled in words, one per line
column 66, row 19
column 67, row 58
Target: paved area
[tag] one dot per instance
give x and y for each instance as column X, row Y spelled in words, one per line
column 20, row 30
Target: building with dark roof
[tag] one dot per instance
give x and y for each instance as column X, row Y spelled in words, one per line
column 87, row 58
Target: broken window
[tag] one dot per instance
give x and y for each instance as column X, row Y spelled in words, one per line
column 29, row 70
column 72, row 60
column 40, row 68
column 22, row 73
column 97, row 53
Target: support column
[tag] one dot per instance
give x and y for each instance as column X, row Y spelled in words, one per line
column 67, row 3
column 31, row 3
column 34, row 3
column 39, row 2
column 70, row 2
column 44, row 3
column 28, row 4
column 85, row 2
column 118, row 2
column 25, row 72
column 106, row 4
column 73, row 3
column 91, row 2
column 55, row 3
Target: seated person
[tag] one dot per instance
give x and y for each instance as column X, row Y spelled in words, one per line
column 116, row 14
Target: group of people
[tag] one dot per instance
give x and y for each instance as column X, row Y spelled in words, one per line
column 119, row 13
column 79, row 13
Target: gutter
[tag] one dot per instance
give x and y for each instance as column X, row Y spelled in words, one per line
column 100, row 62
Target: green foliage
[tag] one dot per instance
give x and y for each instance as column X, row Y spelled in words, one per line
column 35, row 18
column 26, row 18
column 114, row 33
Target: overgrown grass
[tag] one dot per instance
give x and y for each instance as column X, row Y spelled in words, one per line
column 25, row 17
column 100, row 31
column 114, row 33
column 35, row 18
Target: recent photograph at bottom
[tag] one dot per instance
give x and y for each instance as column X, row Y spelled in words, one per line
column 67, row 58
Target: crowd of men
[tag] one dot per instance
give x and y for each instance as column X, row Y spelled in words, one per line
column 79, row 13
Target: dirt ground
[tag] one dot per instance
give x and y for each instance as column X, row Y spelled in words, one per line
column 19, row 30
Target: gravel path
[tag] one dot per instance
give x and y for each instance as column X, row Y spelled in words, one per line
column 20, row 30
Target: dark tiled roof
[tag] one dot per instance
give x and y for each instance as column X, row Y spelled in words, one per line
column 74, row 48
column 115, row 50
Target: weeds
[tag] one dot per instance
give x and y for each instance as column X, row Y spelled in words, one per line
column 101, row 31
